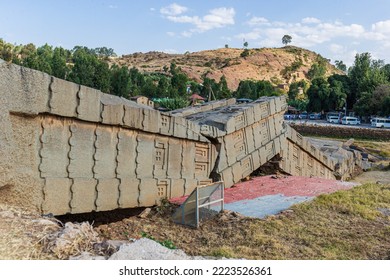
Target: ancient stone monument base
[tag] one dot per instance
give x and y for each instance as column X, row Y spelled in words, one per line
column 67, row 148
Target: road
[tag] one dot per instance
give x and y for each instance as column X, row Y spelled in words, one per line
column 325, row 123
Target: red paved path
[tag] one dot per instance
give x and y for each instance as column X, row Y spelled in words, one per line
column 287, row 186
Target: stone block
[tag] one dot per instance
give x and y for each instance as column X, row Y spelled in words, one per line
column 272, row 106
column 133, row 117
column 240, row 121
column 249, row 139
column 271, row 125
column 57, row 196
column 89, row 104
column 202, row 160
column 264, row 110
column 160, row 157
column 246, row 166
column 107, row 194
column 230, row 101
column 82, row 150
column 227, row 177
column 237, row 172
column 165, row 125
column 177, row 188
column 265, row 134
column 83, row 195
column 190, row 185
column 240, row 144
column 230, row 151
column 112, row 110
column 26, row 90
column 55, row 148
column 146, row 153
column 230, row 125
column 263, row 155
column 193, row 131
column 179, row 127
column 127, row 153
column 151, row 120
column 175, row 158
column 249, row 115
column 149, row 192
column 277, row 145
column 279, row 124
column 106, row 152
column 128, row 192
column 256, row 159
column 63, row 100
column 188, row 162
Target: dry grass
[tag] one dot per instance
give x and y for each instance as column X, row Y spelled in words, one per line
column 21, row 233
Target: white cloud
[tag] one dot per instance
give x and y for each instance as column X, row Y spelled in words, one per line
column 216, row 18
column 152, row 9
column 254, row 21
column 173, row 10
column 337, row 49
column 113, row 6
column 253, row 35
column 186, row 34
column 310, row 20
column 381, row 27
column 171, row 34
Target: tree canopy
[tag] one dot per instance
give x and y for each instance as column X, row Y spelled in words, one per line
column 286, row 39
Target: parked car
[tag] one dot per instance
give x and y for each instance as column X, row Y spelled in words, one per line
column 302, row 116
column 380, row 122
column 315, row 116
column 350, row 120
column 333, row 119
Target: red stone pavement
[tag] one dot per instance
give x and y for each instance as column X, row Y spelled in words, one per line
column 285, row 185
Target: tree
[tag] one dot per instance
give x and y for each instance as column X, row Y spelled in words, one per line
column 223, row 90
column 286, row 39
column 375, row 103
column 318, row 95
column 120, row 81
column 58, row 64
column 365, row 75
column 246, row 44
column 340, row 65
column 226, row 46
column 295, row 88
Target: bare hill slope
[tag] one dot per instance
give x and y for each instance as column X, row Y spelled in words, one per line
column 278, row 65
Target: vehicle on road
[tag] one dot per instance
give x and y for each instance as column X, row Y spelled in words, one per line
column 350, row 120
column 332, row 114
column 380, row 122
column 302, row 116
column 315, row 116
column 333, row 119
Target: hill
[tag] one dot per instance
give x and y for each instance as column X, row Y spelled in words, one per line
column 281, row 66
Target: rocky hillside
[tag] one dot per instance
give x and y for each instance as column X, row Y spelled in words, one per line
column 278, row 65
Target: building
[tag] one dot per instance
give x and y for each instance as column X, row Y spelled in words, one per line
column 142, row 100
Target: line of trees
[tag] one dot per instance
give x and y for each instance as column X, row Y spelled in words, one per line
column 365, row 88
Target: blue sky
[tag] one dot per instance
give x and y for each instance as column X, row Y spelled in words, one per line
column 337, row 29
